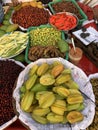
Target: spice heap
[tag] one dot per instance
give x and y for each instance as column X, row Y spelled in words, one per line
column 9, row 71
column 87, row 10
column 94, row 125
column 66, row 6
column 29, row 16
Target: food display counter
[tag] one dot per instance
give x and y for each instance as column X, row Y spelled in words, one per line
column 88, row 66
column 85, row 64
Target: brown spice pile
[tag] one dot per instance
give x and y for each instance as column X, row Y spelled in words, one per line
column 66, row 6
column 29, row 16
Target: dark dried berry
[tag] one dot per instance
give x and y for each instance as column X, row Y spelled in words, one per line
column 9, row 72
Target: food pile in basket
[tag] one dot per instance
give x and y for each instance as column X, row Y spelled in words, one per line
column 51, row 95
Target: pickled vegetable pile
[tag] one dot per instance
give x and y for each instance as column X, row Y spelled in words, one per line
column 63, row 21
column 44, row 36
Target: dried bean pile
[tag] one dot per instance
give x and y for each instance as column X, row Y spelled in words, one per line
column 29, row 16
column 66, row 6
column 9, row 71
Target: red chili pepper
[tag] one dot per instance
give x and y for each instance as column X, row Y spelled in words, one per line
column 63, row 21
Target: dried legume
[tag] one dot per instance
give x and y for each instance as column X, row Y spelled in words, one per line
column 29, row 16
column 66, row 6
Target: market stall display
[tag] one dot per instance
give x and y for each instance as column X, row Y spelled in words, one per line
column 45, row 42
column 68, row 6
column 36, row 52
column 46, row 79
column 28, row 16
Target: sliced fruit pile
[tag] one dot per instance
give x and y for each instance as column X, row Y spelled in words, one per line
column 51, row 95
column 31, row 3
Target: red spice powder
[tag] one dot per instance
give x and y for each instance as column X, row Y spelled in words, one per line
column 87, row 10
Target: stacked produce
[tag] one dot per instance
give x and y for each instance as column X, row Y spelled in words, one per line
column 51, row 95
column 44, row 36
column 32, row 3
column 7, row 27
column 13, row 43
column 46, row 42
column 28, row 16
column 66, row 6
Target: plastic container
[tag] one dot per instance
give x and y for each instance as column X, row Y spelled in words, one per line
column 75, row 3
column 28, row 45
column 75, row 57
